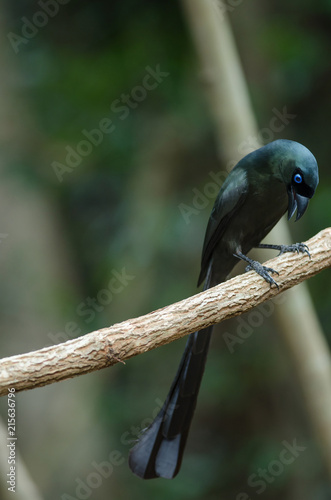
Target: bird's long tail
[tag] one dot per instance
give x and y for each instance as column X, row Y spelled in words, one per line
column 159, row 451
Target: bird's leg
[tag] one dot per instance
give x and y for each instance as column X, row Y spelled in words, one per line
column 296, row 247
column 261, row 270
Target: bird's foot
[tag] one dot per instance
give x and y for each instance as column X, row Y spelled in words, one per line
column 296, row 247
column 263, row 271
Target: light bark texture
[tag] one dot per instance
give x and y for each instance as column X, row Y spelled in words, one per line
column 121, row 341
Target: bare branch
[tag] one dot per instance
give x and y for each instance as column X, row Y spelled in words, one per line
column 121, row 341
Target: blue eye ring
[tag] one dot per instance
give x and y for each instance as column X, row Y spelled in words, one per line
column 297, row 178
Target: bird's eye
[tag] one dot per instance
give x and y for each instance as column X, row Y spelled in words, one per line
column 297, row 178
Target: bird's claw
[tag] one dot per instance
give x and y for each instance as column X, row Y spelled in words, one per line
column 296, row 247
column 264, row 272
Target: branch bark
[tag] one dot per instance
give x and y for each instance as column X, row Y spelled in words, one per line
column 121, row 341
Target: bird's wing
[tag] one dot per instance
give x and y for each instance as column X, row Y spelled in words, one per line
column 230, row 198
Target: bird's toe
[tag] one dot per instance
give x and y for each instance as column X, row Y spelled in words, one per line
column 296, row 247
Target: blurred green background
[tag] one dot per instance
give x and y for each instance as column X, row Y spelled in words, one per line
column 66, row 233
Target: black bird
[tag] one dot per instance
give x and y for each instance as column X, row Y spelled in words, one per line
column 281, row 176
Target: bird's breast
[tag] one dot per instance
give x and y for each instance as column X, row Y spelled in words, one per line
column 259, row 214
column 254, row 219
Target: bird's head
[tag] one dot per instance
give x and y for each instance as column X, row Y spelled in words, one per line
column 298, row 170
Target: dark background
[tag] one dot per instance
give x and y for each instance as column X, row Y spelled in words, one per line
column 63, row 238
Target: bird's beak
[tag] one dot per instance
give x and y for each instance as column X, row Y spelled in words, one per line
column 295, row 201
column 302, row 203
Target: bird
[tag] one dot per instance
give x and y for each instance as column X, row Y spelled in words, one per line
column 279, row 177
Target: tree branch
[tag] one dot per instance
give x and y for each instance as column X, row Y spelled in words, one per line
column 121, row 341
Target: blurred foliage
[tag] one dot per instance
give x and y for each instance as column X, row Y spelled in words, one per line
column 120, row 208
